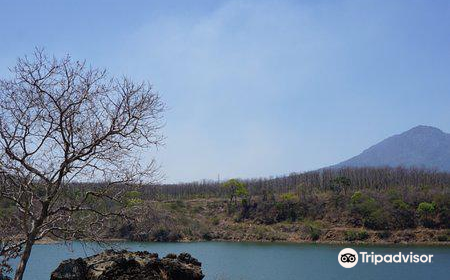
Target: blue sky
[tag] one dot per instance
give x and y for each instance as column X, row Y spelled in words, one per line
column 257, row 88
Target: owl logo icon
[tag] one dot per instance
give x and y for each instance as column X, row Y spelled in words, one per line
column 348, row 258
column 345, row 258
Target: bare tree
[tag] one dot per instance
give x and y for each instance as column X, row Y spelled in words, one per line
column 9, row 248
column 63, row 122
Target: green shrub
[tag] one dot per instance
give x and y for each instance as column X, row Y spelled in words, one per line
column 176, row 205
column 133, row 198
column 235, row 188
column 231, row 208
column 442, row 238
column 286, row 211
column 356, row 197
column 340, row 183
column 443, row 209
column 400, row 204
column 215, row 221
column 315, row 235
column 242, row 191
column 351, row 235
column 362, row 235
column 378, row 219
column 165, row 235
column 362, row 204
column 288, row 196
column 207, row 236
column 426, row 208
column 403, row 214
column 133, row 194
column 385, row 234
column 197, row 209
column 368, row 212
column 427, row 214
column 314, row 230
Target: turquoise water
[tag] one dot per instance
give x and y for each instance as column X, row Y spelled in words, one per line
column 259, row 261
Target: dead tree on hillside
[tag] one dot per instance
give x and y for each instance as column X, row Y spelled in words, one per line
column 62, row 121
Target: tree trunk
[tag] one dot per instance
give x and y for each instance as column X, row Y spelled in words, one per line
column 31, row 239
column 24, row 259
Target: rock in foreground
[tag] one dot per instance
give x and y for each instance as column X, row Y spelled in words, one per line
column 124, row 265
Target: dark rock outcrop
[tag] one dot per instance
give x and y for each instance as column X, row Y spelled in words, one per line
column 72, row 269
column 124, row 265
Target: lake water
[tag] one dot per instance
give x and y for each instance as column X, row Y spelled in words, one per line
column 261, row 261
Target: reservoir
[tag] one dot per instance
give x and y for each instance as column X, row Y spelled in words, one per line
column 262, row 261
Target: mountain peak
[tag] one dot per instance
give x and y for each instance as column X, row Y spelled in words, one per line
column 422, row 146
column 424, row 129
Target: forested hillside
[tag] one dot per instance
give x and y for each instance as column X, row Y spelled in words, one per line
column 334, row 205
column 320, row 180
column 346, row 205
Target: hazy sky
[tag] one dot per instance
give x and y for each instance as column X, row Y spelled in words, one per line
column 257, row 88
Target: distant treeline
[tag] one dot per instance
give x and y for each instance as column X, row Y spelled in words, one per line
column 320, row 180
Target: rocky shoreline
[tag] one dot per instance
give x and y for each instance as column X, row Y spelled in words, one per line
column 294, row 234
column 300, row 233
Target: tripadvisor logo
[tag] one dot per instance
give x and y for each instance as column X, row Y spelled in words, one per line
column 348, row 258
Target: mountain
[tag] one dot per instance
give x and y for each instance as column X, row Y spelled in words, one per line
column 421, row 146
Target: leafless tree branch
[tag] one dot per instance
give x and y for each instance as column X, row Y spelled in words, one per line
column 62, row 124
